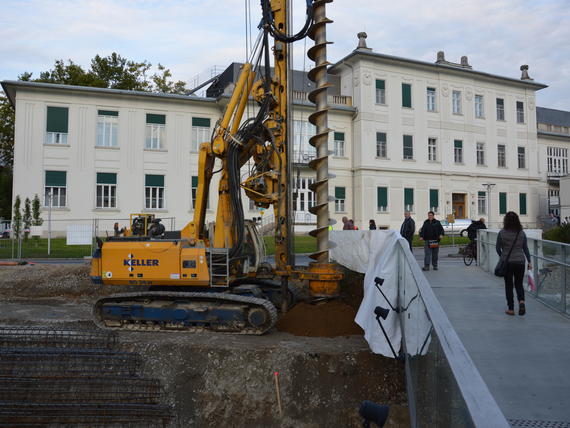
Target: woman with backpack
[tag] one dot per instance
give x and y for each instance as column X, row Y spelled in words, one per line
column 512, row 249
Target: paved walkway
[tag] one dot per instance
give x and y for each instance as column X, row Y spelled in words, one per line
column 525, row 361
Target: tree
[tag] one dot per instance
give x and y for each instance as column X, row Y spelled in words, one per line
column 37, row 212
column 17, row 218
column 27, row 218
column 112, row 71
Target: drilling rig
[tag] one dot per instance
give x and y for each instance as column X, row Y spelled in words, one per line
column 212, row 277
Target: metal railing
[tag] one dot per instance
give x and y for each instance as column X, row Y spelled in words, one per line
column 551, row 268
column 444, row 386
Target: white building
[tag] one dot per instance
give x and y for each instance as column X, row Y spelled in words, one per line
column 407, row 134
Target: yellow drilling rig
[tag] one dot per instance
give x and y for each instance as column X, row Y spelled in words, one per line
column 213, row 277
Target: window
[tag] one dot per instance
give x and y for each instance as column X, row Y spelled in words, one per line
column 194, row 190
column 382, row 200
column 434, row 200
column 502, row 203
column 520, row 112
column 154, row 191
column 252, row 206
column 338, row 144
column 500, row 109
column 56, row 125
column 106, row 190
column 522, row 157
column 200, row 132
column 55, row 189
column 380, row 91
column 155, row 130
column 481, row 154
column 522, row 203
column 406, row 95
column 501, row 156
column 408, row 199
column 456, row 101
column 408, row 147
column 481, row 203
column 381, row 145
column 557, row 160
column 432, row 149
column 340, row 195
column 479, row 108
column 458, row 151
column 303, row 152
column 431, row 106
column 107, row 123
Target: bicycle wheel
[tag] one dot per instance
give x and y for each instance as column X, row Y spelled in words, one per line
column 467, row 258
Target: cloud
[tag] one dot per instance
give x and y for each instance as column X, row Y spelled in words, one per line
column 191, row 36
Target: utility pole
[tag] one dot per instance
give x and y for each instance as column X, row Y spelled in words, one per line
column 488, row 186
column 49, row 195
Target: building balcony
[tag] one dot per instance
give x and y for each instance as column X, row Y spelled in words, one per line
column 303, row 157
column 341, row 100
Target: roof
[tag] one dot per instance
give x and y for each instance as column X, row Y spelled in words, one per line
column 10, row 87
column 552, row 116
column 438, row 67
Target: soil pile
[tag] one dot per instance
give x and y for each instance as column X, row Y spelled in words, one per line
column 330, row 319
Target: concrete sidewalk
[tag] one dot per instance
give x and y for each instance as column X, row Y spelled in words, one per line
column 525, row 361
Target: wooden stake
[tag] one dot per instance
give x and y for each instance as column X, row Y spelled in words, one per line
column 276, row 377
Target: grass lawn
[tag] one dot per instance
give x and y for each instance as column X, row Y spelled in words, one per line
column 33, row 248
column 303, row 244
column 445, row 241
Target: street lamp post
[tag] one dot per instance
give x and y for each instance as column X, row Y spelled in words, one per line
column 488, row 186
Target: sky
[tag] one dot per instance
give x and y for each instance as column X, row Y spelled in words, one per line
column 192, row 36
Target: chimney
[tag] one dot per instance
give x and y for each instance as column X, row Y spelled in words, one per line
column 362, row 41
column 440, row 57
column 524, row 74
column 465, row 61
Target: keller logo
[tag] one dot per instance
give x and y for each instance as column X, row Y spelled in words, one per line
column 131, row 262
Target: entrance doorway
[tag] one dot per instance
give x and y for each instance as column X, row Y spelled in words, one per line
column 459, row 210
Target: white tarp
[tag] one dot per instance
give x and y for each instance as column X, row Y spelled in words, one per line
column 375, row 254
column 79, row 234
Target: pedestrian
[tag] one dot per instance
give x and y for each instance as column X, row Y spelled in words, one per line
column 512, row 239
column 372, row 225
column 408, row 228
column 431, row 233
column 352, row 226
column 348, row 224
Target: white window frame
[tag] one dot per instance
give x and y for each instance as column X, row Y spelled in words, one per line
column 431, row 99
column 458, row 152
column 456, row 102
column 111, row 190
column 520, row 112
column 381, row 94
column 500, row 109
column 432, row 149
column 303, row 152
column 501, row 156
column 338, row 148
column 155, row 136
column 107, row 128
column 56, row 138
column 200, row 134
column 557, row 160
column 58, row 196
column 155, row 198
column 481, row 203
column 521, row 157
column 339, row 205
column 480, row 154
column 479, row 106
column 382, row 146
column 404, row 156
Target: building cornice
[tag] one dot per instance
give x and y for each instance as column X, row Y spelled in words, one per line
column 554, row 135
column 435, row 67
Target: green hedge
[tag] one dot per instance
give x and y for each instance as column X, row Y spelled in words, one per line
column 558, row 234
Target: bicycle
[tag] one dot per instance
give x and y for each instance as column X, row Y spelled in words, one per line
column 469, row 253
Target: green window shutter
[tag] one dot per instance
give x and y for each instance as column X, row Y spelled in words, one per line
column 339, row 136
column 108, row 113
column 458, row 144
column 106, row 178
column 522, row 203
column 380, row 84
column 433, row 198
column 194, row 181
column 502, row 203
column 201, row 121
column 482, row 194
column 339, row 192
column 57, row 119
column 382, row 197
column 157, row 119
column 406, row 95
column 408, row 196
column 56, row 178
column 154, row 180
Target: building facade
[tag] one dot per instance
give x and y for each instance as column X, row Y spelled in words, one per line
column 407, row 135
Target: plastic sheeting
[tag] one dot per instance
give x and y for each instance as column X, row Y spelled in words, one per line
column 376, row 254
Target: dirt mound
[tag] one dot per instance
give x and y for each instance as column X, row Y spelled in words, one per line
column 330, row 319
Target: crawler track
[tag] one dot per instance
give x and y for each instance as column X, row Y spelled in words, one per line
column 185, row 312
